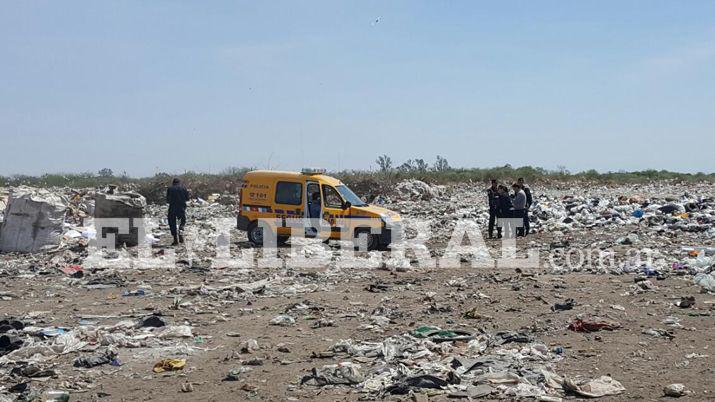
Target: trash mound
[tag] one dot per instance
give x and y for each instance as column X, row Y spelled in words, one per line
column 368, row 187
column 687, row 213
column 455, row 363
column 154, row 189
column 126, row 204
column 415, row 190
column 121, row 205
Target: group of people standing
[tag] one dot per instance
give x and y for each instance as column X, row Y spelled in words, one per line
column 505, row 205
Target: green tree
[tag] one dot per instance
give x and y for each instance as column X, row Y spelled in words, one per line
column 407, row 166
column 441, row 164
column 420, row 165
column 384, row 162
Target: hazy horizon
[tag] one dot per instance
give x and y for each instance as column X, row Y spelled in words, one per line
column 147, row 87
column 373, row 168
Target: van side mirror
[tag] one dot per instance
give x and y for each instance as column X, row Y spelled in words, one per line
column 347, row 205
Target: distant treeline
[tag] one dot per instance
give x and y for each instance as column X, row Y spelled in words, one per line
column 367, row 183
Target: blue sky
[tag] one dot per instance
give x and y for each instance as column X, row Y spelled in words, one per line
column 141, row 86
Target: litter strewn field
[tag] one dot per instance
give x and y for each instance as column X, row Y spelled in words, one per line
column 621, row 305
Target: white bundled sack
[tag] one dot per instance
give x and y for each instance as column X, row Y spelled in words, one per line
column 33, row 221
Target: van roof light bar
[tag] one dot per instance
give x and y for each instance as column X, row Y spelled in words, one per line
column 312, row 171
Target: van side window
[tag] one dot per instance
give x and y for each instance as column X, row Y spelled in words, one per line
column 331, row 198
column 289, row 193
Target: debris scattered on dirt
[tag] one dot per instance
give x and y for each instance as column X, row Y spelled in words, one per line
column 674, row 390
column 627, row 269
column 602, row 386
column 593, row 325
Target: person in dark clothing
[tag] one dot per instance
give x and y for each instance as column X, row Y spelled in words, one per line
column 176, row 197
column 504, row 207
column 529, row 200
column 493, row 198
column 314, row 205
column 314, row 208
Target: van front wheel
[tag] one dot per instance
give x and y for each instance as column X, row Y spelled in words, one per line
column 363, row 237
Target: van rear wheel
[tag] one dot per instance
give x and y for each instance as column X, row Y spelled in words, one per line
column 363, row 238
column 255, row 234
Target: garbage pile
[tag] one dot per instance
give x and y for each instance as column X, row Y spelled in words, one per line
column 121, row 205
column 455, row 363
column 559, row 210
column 660, row 218
column 416, row 190
column 686, row 213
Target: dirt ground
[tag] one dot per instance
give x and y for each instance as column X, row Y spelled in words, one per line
column 507, row 299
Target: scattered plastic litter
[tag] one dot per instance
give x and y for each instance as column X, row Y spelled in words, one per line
column 602, row 386
column 674, row 390
column 169, row 365
column 593, row 325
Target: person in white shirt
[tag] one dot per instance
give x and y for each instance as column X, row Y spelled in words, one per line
column 519, row 202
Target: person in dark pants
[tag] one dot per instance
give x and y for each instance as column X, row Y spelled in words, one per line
column 314, row 213
column 504, row 207
column 519, row 201
column 176, row 197
column 529, row 200
column 493, row 198
column 314, row 206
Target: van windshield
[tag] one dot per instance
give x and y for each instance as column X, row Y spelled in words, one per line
column 350, row 197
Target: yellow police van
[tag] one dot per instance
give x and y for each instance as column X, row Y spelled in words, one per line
column 286, row 197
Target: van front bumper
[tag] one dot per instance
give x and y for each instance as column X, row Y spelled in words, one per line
column 391, row 234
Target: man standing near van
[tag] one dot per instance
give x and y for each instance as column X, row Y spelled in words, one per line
column 519, row 206
column 493, row 198
column 527, row 191
column 176, row 197
column 504, row 209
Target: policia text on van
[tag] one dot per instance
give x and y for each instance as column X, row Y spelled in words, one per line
column 311, row 196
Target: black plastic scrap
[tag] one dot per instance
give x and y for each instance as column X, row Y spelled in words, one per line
column 8, row 343
column 686, row 302
column 503, row 337
column 420, row 381
column 97, row 360
column 9, row 324
column 439, row 335
column 32, row 371
column 566, row 305
column 377, row 287
column 152, row 321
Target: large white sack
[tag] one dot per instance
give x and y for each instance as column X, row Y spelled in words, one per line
column 33, row 220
